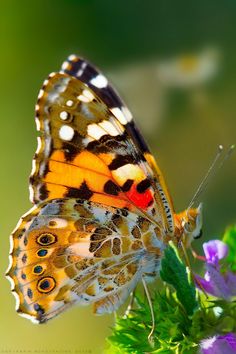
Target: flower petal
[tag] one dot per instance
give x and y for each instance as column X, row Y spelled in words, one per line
column 214, row 283
column 215, row 250
column 219, row 344
column 230, row 279
column 205, row 285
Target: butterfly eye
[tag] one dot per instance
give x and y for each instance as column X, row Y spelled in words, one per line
column 46, row 239
column 187, row 226
column 199, row 235
column 45, row 285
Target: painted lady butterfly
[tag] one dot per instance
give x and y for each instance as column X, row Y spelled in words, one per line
column 102, row 213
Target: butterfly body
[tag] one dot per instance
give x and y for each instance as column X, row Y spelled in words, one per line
column 102, row 214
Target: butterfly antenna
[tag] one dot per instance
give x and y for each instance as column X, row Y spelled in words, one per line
column 209, row 173
column 224, row 159
column 227, row 156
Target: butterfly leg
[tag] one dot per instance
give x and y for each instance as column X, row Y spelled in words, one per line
column 195, row 255
column 150, row 338
column 130, row 305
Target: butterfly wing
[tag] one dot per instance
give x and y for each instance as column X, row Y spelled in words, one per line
column 69, row 251
column 102, row 208
column 91, row 149
column 87, row 73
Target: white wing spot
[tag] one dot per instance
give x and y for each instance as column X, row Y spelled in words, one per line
column 130, row 170
column 66, row 133
column 83, row 98
column 33, row 167
column 119, row 115
column 86, row 96
column 65, row 65
column 41, row 92
column 64, row 115
column 57, row 223
column 45, row 82
column 69, row 103
column 72, row 57
column 39, row 147
column 38, row 125
column 95, row 131
column 31, row 193
column 80, row 71
column 109, row 128
column 80, row 248
column 127, row 113
column 52, row 74
column 99, row 81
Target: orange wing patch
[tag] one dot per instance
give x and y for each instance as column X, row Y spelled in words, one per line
column 86, row 176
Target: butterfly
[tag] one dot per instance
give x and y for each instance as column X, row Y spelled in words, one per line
column 102, row 213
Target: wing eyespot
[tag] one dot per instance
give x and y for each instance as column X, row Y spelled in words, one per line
column 38, row 270
column 38, row 309
column 29, row 293
column 46, row 239
column 24, row 258
column 46, row 284
column 42, row 253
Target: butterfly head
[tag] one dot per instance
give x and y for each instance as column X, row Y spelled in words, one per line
column 190, row 222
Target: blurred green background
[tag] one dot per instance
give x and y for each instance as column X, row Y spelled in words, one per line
column 173, row 62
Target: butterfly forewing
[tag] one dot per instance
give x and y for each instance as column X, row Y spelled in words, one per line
column 86, row 152
column 87, row 73
column 102, row 211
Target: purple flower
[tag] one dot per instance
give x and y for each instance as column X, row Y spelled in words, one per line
column 222, row 285
column 214, row 251
column 219, row 344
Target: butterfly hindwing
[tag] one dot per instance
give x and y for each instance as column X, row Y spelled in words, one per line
column 68, row 251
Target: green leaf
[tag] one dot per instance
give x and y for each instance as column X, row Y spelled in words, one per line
column 174, row 272
column 230, row 239
column 181, row 320
column 171, row 335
